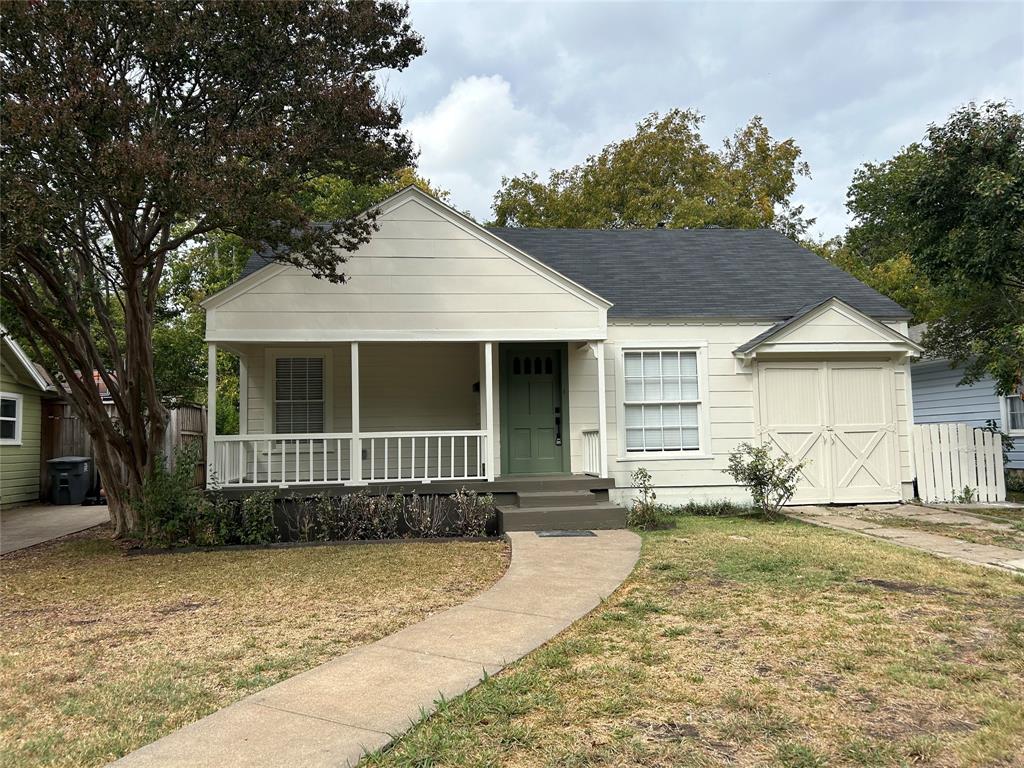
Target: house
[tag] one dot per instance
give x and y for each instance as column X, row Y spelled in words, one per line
column 550, row 364
column 22, row 390
column 938, row 397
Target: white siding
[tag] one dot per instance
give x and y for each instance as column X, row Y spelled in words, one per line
column 421, row 276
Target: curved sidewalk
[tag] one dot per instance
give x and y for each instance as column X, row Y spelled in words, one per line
column 333, row 714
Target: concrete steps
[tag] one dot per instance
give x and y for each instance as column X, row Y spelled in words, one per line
column 561, row 508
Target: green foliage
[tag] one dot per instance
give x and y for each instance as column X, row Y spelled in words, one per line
column 644, row 512
column 966, row 496
column 171, row 507
column 716, row 508
column 943, row 220
column 771, row 481
column 665, row 173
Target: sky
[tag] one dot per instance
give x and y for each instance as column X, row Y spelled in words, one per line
column 510, row 88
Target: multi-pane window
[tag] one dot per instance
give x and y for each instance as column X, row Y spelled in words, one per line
column 298, row 395
column 662, row 401
column 1015, row 413
column 10, row 418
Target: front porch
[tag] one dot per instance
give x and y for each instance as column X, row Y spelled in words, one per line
column 407, row 415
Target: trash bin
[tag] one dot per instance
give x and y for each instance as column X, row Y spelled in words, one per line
column 70, row 478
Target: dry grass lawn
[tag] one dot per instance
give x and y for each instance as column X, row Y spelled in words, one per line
column 103, row 653
column 1011, row 536
column 743, row 643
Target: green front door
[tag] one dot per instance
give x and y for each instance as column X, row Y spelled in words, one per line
column 534, row 424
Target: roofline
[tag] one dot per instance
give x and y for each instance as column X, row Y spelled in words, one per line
column 25, row 360
column 398, row 199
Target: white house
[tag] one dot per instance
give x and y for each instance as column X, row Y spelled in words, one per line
column 554, row 362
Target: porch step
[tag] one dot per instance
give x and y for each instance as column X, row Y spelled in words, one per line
column 598, row 516
column 578, row 498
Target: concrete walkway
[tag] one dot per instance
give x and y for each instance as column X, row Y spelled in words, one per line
column 335, row 713
column 27, row 526
column 851, row 520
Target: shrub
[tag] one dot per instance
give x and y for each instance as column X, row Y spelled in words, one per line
column 771, row 481
column 471, row 512
column 716, row 508
column 257, row 519
column 172, row 511
column 644, row 513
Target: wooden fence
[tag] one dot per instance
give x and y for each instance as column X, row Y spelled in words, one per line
column 957, row 463
column 64, row 434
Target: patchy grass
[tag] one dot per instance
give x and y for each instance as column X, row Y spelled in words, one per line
column 999, row 514
column 743, row 643
column 104, row 653
column 1012, row 539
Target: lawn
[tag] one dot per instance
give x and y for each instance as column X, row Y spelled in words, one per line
column 743, row 643
column 103, row 653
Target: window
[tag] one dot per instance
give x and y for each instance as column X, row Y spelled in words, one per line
column 10, row 419
column 1015, row 414
column 298, row 395
column 662, row 401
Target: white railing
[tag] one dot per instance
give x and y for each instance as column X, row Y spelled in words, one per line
column 423, row 456
column 956, row 462
column 591, row 452
column 281, row 459
column 315, row 459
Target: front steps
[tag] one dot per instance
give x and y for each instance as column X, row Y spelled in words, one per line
column 562, row 507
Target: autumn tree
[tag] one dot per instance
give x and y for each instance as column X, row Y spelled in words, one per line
column 129, row 130
column 666, row 174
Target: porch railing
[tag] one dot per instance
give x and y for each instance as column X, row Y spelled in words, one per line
column 591, row 452
column 281, row 459
column 423, row 456
column 326, row 458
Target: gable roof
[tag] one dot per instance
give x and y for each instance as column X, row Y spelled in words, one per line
column 30, row 369
column 741, row 273
column 808, row 313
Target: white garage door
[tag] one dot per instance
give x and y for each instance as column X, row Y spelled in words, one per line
column 840, row 418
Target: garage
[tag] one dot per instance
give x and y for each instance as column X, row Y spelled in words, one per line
column 831, row 390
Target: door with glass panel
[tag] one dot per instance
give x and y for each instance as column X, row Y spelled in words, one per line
column 662, row 401
column 533, row 418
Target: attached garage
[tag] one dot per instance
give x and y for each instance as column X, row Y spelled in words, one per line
column 830, row 392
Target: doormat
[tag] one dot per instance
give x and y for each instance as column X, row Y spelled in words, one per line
column 563, row 534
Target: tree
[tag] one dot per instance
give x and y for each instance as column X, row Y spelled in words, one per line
column 129, row 130
column 665, row 173
column 941, row 228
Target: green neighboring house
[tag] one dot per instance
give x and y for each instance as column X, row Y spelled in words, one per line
column 22, row 389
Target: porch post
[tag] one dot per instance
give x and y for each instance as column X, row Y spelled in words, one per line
column 211, row 408
column 602, row 410
column 489, row 406
column 356, row 451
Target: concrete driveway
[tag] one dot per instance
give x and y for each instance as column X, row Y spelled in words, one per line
column 33, row 524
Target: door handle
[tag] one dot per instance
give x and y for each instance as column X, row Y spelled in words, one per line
column 558, row 426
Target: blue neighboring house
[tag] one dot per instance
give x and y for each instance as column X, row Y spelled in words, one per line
column 937, row 397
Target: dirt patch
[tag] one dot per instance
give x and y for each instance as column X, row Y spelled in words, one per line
column 901, row 586
column 668, row 731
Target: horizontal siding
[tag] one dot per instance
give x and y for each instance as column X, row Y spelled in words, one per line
column 939, row 398
column 19, row 464
column 419, row 273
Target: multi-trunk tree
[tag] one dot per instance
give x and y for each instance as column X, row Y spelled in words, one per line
column 129, row 130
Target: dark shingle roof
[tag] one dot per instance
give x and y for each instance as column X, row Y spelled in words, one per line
column 755, row 273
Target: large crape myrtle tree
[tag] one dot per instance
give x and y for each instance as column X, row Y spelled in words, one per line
column 128, row 130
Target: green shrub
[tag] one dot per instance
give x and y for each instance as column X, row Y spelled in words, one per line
column 172, row 510
column 257, row 519
column 471, row 512
column 715, row 508
column 644, row 513
column 771, row 481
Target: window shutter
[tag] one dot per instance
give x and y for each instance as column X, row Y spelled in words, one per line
column 299, row 395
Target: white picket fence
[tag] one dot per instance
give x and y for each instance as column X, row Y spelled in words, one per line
column 953, row 457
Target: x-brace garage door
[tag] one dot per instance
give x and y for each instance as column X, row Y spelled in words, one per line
column 839, row 418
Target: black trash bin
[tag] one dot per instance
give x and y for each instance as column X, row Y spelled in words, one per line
column 70, row 477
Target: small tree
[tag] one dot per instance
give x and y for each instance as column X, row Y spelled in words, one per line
column 771, row 481
column 643, row 512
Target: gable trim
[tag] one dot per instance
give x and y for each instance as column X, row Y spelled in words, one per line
column 21, row 357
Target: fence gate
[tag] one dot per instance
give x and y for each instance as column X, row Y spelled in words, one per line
column 952, row 458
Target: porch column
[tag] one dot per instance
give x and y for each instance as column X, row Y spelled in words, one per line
column 602, row 410
column 356, row 451
column 488, row 400
column 211, row 408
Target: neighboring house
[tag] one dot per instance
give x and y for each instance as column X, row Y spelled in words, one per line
column 939, row 397
column 460, row 353
column 22, row 389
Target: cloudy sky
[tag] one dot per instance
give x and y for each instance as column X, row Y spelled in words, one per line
column 506, row 88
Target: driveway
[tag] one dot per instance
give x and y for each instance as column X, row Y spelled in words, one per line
column 335, row 713
column 33, row 524
column 954, row 534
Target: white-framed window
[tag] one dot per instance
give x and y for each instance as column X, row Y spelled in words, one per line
column 1014, row 406
column 662, row 402
column 300, row 404
column 11, row 414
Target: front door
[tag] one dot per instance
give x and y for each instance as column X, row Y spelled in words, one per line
column 533, row 420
